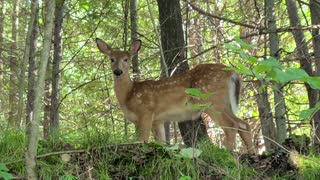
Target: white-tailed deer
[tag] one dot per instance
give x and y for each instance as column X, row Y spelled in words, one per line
column 148, row 104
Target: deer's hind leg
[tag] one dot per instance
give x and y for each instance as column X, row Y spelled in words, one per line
column 227, row 124
column 244, row 130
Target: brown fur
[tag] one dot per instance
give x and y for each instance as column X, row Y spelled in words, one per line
column 148, row 104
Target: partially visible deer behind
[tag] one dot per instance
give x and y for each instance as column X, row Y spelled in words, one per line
column 148, row 104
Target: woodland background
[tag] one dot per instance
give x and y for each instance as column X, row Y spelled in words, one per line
column 57, row 88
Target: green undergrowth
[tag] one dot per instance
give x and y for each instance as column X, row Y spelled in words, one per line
column 309, row 166
column 98, row 157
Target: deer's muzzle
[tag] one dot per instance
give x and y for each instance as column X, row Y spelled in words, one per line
column 117, row 72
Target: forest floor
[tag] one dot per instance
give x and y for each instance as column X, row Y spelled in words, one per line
column 155, row 161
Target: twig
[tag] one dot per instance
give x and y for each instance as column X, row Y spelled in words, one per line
column 221, row 18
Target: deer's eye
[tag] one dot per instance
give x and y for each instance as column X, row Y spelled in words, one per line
column 112, row 60
column 125, row 60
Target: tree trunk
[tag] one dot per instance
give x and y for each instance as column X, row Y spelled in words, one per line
column 47, row 102
column 2, row 19
column 279, row 102
column 57, row 58
column 125, row 23
column 302, row 52
column 32, row 63
column 217, row 29
column 315, row 19
column 32, row 140
column 172, row 42
column 26, row 56
column 13, row 67
column 302, row 48
column 265, row 115
column 195, row 38
column 134, row 36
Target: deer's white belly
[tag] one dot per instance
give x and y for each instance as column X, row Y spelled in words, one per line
column 178, row 114
column 182, row 113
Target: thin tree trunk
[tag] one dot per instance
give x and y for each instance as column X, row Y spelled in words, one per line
column 194, row 36
column 125, row 44
column 302, row 48
column 47, row 102
column 217, row 30
column 32, row 140
column 172, row 42
column 303, row 53
column 2, row 19
column 265, row 116
column 24, row 62
column 315, row 19
column 57, row 58
column 279, row 102
column 32, row 63
column 134, row 36
column 13, row 67
column 125, row 23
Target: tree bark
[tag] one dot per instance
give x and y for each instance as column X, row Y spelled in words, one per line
column 303, row 53
column 279, row 101
column 302, row 48
column 57, row 58
column 13, row 67
column 32, row 63
column 32, row 140
column 26, row 56
column 47, row 102
column 265, row 115
column 315, row 20
column 2, row 19
column 134, row 36
column 172, row 42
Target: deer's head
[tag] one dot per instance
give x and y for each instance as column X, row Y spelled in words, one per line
column 120, row 60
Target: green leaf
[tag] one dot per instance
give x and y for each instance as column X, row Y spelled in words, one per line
column 244, row 55
column 84, row 5
column 197, row 93
column 197, row 106
column 3, row 167
column 243, row 44
column 261, row 68
column 190, row 152
column 297, row 73
column 244, row 70
column 308, row 113
column 289, row 75
column 232, row 48
column 185, row 178
column 271, row 62
column 3, row 172
column 252, row 60
column 193, row 92
column 314, row 82
column 172, row 148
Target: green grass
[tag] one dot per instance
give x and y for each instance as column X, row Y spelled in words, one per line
column 224, row 162
column 108, row 159
column 309, row 167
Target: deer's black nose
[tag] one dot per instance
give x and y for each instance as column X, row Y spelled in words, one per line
column 117, row 72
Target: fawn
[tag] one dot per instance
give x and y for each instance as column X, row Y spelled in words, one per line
column 148, row 104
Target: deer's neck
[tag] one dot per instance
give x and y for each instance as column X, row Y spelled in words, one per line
column 123, row 87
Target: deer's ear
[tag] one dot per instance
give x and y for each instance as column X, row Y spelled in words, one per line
column 103, row 47
column 135, row 47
